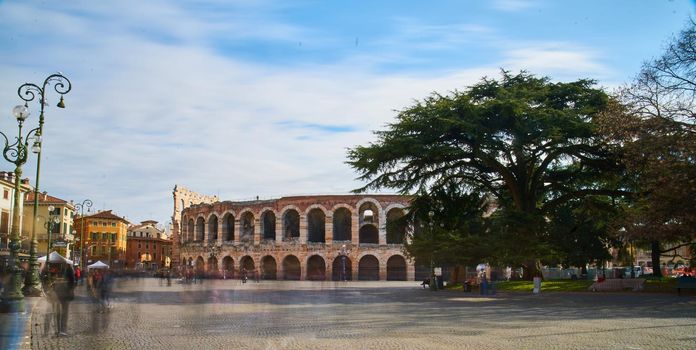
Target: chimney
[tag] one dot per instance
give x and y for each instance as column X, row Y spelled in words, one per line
column 45, row 194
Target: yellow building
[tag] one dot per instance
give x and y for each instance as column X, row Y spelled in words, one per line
column 103, row 236
column 7, row 180
column 53, row 213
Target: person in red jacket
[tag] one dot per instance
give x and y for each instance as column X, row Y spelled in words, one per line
column 78, row 275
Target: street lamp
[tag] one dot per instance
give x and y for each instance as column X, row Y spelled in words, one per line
column 53, row 219
column 343, row 253
column 30, row 92
column 16, row 153
column 433, row 279
column 81, row 208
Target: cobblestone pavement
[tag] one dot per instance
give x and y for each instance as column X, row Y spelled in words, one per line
column 366, row 315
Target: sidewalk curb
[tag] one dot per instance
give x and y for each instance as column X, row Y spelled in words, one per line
column 29, row 325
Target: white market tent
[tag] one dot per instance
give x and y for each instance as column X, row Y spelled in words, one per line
column 54, row 257
column 98, row 265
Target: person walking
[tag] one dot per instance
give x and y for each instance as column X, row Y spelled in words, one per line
column 78, row 275
column 58, row 281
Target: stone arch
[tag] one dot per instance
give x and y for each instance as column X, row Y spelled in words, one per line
column 200, row 229
column 190, row 229
column 228, row 227
column 182, row 231
column 368, row 268
column 212, row 266
column 247, row 262
column 291, row 223
column 369, row 234
column 371, row 204
column 246, row 223
column 227, row 267
column 268, row 224
column 396, row 228
column 342, row 223
column 396, row 268
column 212, row 228
column 342, row 268
column 200, row 264
column 316, row 268
column 291, row 268
column 269, row 268
column 316, row 224
column 190, row 261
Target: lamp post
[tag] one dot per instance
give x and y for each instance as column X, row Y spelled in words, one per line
column 343, row 253
column 16, row 153
column 81, row 208
column 433, row 279
column 30, row 92
column 49, row 224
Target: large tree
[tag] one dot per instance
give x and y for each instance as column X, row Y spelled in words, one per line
column 455, row 232
column 529, row 143
column 655, row 130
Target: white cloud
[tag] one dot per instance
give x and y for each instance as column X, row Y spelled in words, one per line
column 147, row 112
column 561, row 61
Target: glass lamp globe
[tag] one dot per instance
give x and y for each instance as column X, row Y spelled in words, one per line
column 20, row 112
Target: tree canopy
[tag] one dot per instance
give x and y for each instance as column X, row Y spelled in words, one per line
column 528, row 143
column 654, row 130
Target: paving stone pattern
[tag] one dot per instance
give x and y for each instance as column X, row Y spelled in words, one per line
column 366, row 315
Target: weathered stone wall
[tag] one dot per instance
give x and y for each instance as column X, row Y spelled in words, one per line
column 183, row 198
column 203, row 246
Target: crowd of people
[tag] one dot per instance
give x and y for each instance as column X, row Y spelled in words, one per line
column 58, row 281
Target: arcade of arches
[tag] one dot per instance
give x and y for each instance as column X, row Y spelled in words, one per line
column 333, row 237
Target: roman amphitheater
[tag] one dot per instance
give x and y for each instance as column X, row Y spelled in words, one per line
column 323, row 237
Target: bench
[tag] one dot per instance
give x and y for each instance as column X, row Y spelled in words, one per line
column 685, row 282
column 618, row 284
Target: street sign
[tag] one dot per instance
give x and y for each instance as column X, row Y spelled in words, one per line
column 60, row 244
column 438, row 271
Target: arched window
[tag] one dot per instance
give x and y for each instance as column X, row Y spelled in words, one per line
column 342, row 225
column 268, row 225
column 213, row 228
column 316, row 221
column 228, row 227
column 396, row 227
column 200, row 229
column 247, row 222
column 291, row 225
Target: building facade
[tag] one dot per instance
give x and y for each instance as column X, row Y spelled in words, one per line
column 147, row 247
column 59, row 221
column 104, row 237
column 7, row 182
column 324, row 237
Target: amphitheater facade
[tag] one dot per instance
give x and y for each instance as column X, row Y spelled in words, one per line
column 322, row 237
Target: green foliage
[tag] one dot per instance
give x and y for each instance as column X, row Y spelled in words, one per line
column 528, row 144
column 454, row 233
column 581, row 232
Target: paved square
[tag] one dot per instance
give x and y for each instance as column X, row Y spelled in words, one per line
column 366, row 315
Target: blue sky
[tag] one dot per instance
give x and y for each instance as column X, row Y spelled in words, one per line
column 255, row 97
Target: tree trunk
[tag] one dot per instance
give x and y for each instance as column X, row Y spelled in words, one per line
column 532, row 269
column 655, row 257
column 454, row 278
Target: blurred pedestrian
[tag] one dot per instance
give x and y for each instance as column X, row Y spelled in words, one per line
column 58, row 282
column 78, row 275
